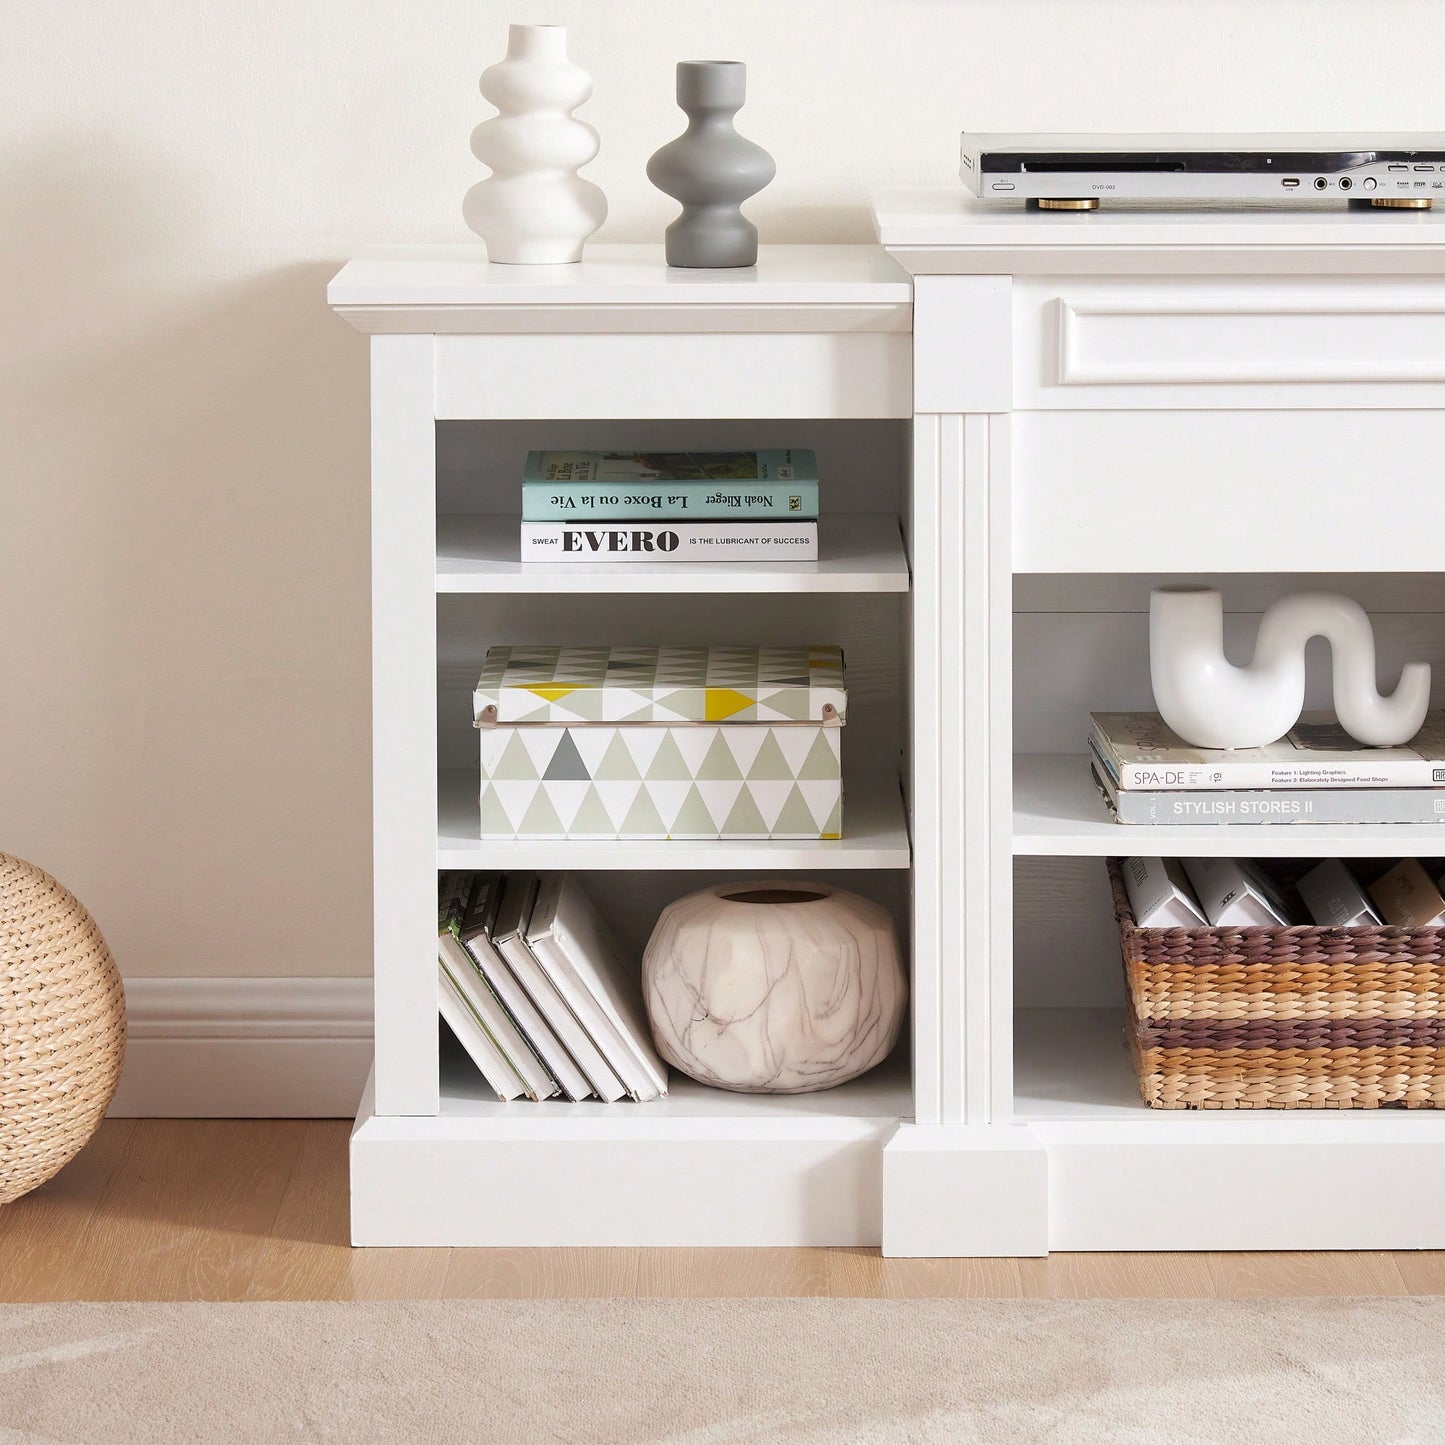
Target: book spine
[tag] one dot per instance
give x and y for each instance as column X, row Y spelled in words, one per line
column 669, row 501
column 1285, row 806
column 670, row 542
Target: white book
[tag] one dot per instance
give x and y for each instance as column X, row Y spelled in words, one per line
column 667, row 542
column 1334, row 899
column 601, row 985
column 537, row 1081
column 510, row 935
column 477, row 940
column 459, row 1017
column 1235, row 894
column 1160, row 895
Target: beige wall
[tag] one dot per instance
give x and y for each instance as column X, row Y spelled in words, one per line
column 183, row 597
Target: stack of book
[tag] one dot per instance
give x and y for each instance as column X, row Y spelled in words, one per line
column 1317, row 773
column 1237, row 893
column 537, row 992
column 670, row 506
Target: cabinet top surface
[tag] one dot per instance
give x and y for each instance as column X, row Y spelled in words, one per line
column 460, row 276
column 1323, row 236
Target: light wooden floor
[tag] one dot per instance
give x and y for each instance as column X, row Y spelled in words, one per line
column 256, row 1209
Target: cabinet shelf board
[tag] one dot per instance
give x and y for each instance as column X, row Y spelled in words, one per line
column 469, row 1105
column 874, row 823
column 1071, row 1066
column 858, row 552
column 1058, row 813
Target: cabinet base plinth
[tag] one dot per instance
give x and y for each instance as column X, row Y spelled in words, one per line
column 524, row 1176
column 961, row 1191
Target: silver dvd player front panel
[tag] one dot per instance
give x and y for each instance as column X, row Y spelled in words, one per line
column 1276, row 169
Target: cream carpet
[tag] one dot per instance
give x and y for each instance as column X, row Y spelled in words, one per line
column 714, row 1372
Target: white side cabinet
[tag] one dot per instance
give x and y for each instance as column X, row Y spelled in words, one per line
column 473, row 365
column 1106, row 401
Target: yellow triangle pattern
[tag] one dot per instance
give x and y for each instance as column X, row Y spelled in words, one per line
column 723, row 702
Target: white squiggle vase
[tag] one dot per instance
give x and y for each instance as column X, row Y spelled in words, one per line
column 1211, row 703
column 534, row 209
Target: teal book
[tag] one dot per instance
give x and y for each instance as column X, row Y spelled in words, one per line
column 778, row 485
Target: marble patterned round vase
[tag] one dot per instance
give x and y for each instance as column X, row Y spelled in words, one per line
column 774, row 988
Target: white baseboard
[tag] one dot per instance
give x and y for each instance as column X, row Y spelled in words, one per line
column 245, row 1048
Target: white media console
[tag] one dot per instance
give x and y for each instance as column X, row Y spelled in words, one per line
column 1023, row 423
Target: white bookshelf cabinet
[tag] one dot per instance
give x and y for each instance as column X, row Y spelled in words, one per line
column 1025, row 421
column 472, row 366
column 1110, row 400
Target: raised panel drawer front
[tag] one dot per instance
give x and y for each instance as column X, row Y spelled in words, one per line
column 1239, row 343
column 1219, row 491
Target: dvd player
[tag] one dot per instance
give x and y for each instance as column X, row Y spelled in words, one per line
column 1075, row 172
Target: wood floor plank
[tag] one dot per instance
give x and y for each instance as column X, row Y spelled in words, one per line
column 1118, row 1276
column 1268, row 1275
column 187, row 1212
column 1422, row 1270
column 865, row 1274
column 39, row 1231
column 308, row 1253
column 732, row 1273
column 543, row 1274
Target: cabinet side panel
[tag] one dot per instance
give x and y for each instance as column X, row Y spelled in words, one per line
column 404, row 783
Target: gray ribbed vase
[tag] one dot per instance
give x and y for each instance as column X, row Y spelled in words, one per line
column 711, row 169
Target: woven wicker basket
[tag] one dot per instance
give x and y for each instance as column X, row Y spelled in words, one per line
column 62, row 1027
column 1284, row 1018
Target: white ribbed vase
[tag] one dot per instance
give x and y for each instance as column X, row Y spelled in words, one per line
column 534, row 209
column 774, row 988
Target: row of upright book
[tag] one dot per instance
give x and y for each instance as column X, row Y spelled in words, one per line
column 538, row 993
column 1238, row 893
column 670, row 506
column 1315, row 774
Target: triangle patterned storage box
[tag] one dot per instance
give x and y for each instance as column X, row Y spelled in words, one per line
column 661, row 742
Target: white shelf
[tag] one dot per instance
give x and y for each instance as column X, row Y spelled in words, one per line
column 858, row 553
column 884, row 1094
column 423, row 278
column 1058, row 813
column 874, row 825
column 1072, row 1066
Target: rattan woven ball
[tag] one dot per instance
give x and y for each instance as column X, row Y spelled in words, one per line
column 62, row 1027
